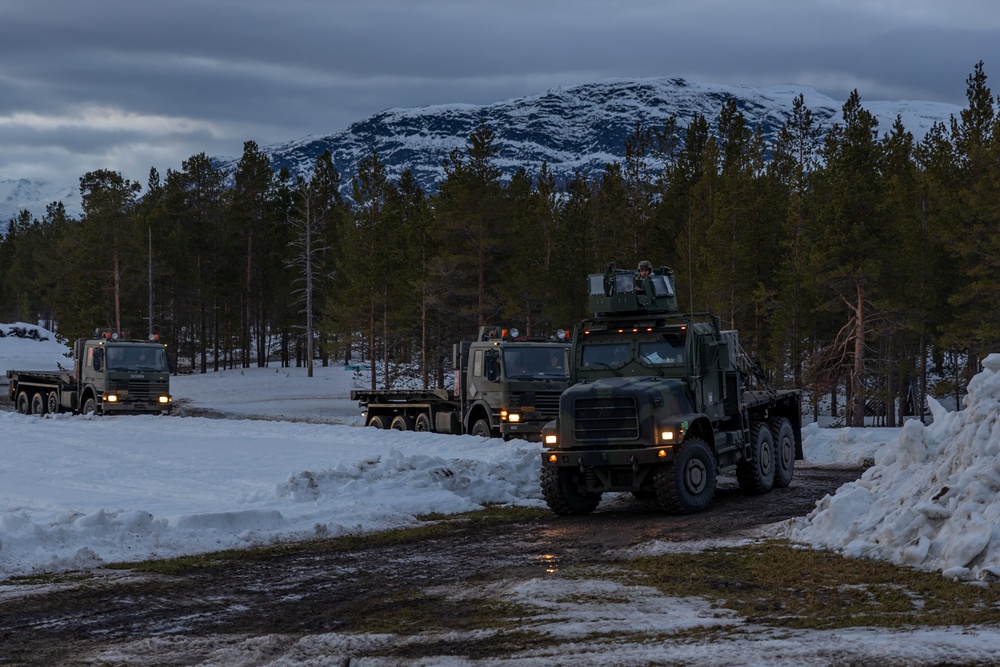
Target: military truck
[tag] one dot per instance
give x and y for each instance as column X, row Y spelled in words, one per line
column 110, row 375
column 662, row 402
column 505, row 386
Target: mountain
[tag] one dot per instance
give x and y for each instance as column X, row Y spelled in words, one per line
column 581, row 128
column 18, row 195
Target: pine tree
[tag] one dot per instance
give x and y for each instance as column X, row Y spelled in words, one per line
column 314, row 207
column 794, row 160
column 849, row 244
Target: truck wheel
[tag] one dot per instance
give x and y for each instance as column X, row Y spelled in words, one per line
column 23, row 405
column 565, row 493
column 89, row 406
column 378, row 421
column 38, row 405
column 784, row 451
column 52, row 402
column 401, row 423
column 423, row 423
column 687, row 484
column 482, row 429
column 755, row 472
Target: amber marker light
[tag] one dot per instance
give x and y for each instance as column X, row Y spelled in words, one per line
column 553, row 458
column 662, row 454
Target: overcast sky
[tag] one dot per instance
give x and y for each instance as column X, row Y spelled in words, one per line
column 131, row 84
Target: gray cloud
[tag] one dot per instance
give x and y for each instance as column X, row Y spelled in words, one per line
column 128, row 85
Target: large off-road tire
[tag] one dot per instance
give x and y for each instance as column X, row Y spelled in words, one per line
column 784, row 451
column 686, row 484
column 89, row 407
column 422, row 422
column 38, row 405
column 378, row 421
column 401, row 423
column 52, row 402
column 482, row 429
column 755, row 472
column 23, row 404
column 565, row 492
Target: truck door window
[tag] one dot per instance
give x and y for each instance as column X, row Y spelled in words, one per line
column 477, row 364
column 95, row 356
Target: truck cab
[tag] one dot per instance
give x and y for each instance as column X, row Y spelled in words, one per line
column 122, row 376
column 510, row 384
column 659, row 404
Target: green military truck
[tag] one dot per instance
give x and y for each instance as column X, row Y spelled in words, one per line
column 505, row 386
column 110, row 376
column 660, row 404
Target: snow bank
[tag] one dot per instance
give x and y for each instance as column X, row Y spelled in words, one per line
column 932, row 499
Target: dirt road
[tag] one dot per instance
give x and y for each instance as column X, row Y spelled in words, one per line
column 267, row 606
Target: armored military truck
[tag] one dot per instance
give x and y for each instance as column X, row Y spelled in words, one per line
column 110, row 375
column 506, row 385
column 662, row 402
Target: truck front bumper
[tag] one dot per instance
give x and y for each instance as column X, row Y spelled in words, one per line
column 531, row 431
column 607, row 458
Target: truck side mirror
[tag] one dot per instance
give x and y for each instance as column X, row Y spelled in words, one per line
column 98, row 359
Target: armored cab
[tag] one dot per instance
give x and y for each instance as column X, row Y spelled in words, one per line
column 658, row 405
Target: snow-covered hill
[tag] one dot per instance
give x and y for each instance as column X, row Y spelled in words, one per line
column 577, row 129
column 20, row 194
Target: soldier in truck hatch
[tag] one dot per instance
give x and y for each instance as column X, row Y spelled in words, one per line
column 645, row 271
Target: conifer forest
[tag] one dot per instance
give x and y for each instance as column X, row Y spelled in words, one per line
column 859, row 263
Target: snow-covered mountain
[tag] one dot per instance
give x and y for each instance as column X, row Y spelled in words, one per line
column 581, row 128
column 18, row 195
column 578, row 129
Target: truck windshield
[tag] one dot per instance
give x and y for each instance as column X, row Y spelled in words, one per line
column 605, row 355
column 136, row 358
column 661, row 353
column 539, row 361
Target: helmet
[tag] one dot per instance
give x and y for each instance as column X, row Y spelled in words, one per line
column 645, row 265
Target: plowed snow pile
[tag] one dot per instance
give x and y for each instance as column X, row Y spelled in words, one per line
column 932, row 499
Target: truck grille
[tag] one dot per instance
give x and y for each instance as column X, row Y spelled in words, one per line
column 605, row 418
column 545, row 404
column 139, row 390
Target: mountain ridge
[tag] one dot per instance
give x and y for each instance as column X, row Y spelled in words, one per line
column 572, row 129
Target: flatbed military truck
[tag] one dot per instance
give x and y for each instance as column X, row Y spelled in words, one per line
column 661, row 402
column 110, row 376
column 505, row 386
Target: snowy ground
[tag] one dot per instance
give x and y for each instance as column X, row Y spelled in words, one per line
column 76, row 492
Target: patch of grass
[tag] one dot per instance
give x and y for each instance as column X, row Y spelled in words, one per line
column 492, row 514
column 231, row 557
column 47, row 579
column 435, row 526
column 775, row 584
column 416, row 612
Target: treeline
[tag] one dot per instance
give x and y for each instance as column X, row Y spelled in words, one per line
column 848, row 260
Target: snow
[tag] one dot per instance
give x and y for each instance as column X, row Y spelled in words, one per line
column 77, row 492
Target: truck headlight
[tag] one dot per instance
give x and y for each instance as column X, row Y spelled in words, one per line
column 667, row 436
column 514, row 417
column 111, row 398
column 164, row 399
column 551, row 439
